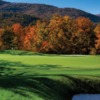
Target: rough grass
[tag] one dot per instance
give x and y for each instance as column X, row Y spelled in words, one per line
column 36, row 76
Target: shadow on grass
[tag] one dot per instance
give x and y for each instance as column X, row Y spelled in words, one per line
column 32, row 83
column 46, row 86
column 21, row 53
column 9, row 64
column 85, row 85
column 30, row 53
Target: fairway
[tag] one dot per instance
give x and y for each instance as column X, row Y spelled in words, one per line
column 51, row 64
column 36, row 76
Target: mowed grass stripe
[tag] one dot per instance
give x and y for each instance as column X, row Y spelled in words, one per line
column 65, row 61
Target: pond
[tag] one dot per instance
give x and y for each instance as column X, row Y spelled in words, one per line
column 87, row 97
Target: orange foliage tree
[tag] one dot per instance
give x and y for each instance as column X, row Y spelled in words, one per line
column 61, row 32
column 85, row 35
column 42, row 39
column 19, row 32
column 30, row 39
column 97, row 45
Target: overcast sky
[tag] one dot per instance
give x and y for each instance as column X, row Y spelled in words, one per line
column 92, row 6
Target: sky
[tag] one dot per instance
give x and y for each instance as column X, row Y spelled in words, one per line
column 91, row 6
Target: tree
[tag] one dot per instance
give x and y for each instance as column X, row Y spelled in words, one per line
column 30, row 38
column 97, row 33
column 85, row 35
column 8, row 39
column 61, row 32
column 1, row 39
column 19, row 32
column 42, row 32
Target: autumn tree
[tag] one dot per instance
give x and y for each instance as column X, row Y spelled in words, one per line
column 8, row 39
column 61, row 32
column 42, row 38
column 1, row 39
column 19, row 32
column 85, row 35
column 97, row 41
column 30, row 38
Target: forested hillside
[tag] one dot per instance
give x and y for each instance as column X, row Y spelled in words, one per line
column 98, row 15
column 8, row 19
column 48, row 29
column 44, row 11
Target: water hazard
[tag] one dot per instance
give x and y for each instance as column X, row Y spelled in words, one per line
column 87, row 97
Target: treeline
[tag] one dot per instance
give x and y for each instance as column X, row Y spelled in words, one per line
column 61, row 35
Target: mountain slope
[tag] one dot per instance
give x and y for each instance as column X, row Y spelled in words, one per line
column 11, row 18
column 44, row 11
column 98, row 15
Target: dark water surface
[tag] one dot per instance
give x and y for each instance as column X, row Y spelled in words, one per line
column 87, row 97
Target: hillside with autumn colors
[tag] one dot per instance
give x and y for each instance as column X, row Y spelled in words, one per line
column 48, row 29
column 44, row 11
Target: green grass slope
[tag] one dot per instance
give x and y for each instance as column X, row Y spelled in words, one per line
column 35, row 76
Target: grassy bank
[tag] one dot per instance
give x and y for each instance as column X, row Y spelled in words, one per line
column 36, row 76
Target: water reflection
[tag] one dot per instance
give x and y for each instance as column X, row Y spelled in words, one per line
column 87, row 97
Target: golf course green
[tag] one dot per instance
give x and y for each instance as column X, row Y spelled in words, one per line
column 36, row 76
